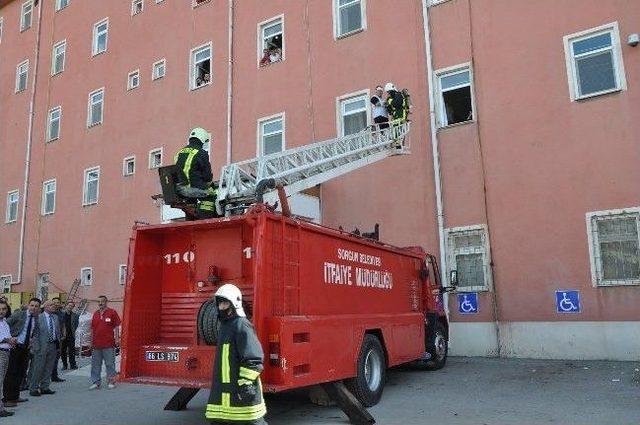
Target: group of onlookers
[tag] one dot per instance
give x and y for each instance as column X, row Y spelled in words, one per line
column 34, row 338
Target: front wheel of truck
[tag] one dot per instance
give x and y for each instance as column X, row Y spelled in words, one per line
column 438, row 348
column 368, row 384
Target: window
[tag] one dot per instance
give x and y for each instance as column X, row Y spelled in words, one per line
column 5, row 283
column 129, row 166
column 11, row 214
column 122, row 274
column 136, row 7
column 271, row 41
column 455, row 95
column 614, row 240
column 96, row 108
column 91, row 186
column 349, row 17
column 26, row 15
column 49, row 197
column 53, row 126
column 159, row 69
column 100, row 35
column 22, row 75
column 468, row 254
column 200, row 66
column 86, row 276
column 196, row 3
column 594, row 62
column 133, row 80
column 57, row 57
column 271, row 135
column 353, row 113
column 155, row 158
column 1, row 27
column 61, row 4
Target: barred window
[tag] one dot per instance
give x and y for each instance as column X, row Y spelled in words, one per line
column 468, row 254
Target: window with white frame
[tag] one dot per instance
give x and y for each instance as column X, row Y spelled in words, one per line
column 11, row 213
column 100, row 37
column 353, row 114
column 1, row 27
column 196, row 3
column 22, row 76
column 594, row 62
column 614, row 241
column 95, row 108
column 200, row 66
column 58, row 56
column 136, row 7
column 455, row 95
column 129, row 166
column 49, row 197
column 61, row 4
column 155, row 158
column 5, row 283
column 159, row 69
column 122, row 274
column 53, row 125
column 91, row 186
column 26, row 16
column 468, row 254
column 271, row 35
column 133, row 79
column 86, row 276
column 159, row 1
column 271, row 135
column 349, row 17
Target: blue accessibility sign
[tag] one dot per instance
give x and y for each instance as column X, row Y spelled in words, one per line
column 568, row 301
column 468, row 303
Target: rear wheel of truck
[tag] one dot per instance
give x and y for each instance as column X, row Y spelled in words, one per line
column 438, row 348
column 368, row 384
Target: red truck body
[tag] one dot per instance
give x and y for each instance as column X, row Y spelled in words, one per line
column 313, row 293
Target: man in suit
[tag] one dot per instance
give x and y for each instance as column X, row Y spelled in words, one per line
column 70, row 322
column 22, row 325
column 44, row 347
column 57, row 304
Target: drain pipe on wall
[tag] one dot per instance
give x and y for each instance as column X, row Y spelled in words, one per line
column 230, row 82
column 27, row 161
column 435, row 150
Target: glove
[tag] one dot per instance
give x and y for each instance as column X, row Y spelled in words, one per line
column 247, row 392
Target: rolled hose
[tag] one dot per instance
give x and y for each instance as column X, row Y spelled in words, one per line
column 208, row 322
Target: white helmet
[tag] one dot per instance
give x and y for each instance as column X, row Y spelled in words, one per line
column 232, row 294
column 389, row 87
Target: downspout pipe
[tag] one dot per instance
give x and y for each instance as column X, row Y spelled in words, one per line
column 435, row 149
column 27, row 161
column 229, row 81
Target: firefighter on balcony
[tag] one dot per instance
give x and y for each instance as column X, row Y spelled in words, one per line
column 196, row 177
column 396, row 104
column 236, row 392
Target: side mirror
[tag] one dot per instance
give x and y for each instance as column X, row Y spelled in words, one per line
column 453, row 278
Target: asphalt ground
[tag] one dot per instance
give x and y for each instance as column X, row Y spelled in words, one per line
column 474, row 391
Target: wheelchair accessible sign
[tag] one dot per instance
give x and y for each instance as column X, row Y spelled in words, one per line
column 568, row 301
column 468, row 303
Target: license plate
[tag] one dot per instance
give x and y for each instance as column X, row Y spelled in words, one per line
column 162, row 356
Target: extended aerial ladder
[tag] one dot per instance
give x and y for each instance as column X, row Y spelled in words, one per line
column 244, row 183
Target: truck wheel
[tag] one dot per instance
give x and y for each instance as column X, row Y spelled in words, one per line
column 368, row 384
column 208, row 322
column 438, row 348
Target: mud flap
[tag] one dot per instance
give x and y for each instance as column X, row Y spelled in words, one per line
column 181, row 398
column 350, row 405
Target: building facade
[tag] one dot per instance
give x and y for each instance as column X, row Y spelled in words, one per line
column 524, row 143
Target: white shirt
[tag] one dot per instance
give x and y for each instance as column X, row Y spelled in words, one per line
column 379, row 110
column 5, row 332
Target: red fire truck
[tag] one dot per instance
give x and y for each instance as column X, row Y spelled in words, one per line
column 326, row 305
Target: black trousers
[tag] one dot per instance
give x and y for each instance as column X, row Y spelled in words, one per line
column 18, row 360
column 68, row 352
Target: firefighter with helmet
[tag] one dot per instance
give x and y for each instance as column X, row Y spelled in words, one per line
column 196, row 176
column 396, row 104
column 236, row 391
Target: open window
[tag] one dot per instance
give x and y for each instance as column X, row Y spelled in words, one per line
column 455, row 96
column 201, row 66
column 271, row 34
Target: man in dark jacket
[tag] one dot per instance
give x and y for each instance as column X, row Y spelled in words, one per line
column 196, row 177
column 236, row 391
column 69, row 324
column 395, row 104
